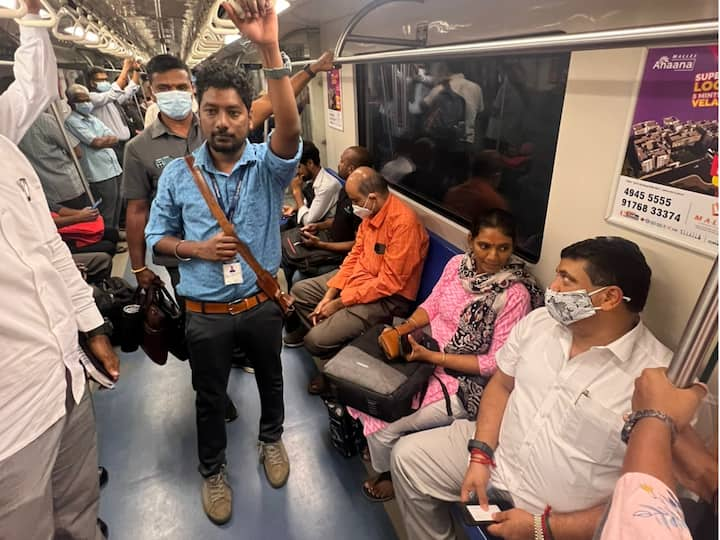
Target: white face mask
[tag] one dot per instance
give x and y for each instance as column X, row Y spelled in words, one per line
column 361, row 211
column 571, row 306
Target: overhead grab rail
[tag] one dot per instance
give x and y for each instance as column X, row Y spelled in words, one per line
column 699, row 335
column 360, row 15
column 697, row 32
column 9, row 13
column 44, row 22
column 77, row 30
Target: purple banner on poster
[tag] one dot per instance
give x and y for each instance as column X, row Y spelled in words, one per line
column 680, row 82
column 668, row 184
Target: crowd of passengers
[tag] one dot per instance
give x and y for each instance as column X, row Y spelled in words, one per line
column 525, row 408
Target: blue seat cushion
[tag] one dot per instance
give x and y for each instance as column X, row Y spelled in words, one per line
column 440, row 251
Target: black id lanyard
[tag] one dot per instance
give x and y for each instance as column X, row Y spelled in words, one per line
column 230, row 212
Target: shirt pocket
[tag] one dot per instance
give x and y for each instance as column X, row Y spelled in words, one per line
column 593, row 430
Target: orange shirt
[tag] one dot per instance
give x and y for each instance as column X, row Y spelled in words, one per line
column 387, row 257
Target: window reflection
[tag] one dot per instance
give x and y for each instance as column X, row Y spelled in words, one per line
column 466, row 135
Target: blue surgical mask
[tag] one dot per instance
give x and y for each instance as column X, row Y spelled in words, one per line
column 85, row 107
column 103, row 86
column 176, row 104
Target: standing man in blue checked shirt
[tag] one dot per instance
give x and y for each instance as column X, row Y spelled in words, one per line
column 223, row 301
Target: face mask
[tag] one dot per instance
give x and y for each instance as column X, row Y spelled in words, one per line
column 571, row 306
column 361, row 211
column 103, row 86
column 175, row 104
column 85, row 107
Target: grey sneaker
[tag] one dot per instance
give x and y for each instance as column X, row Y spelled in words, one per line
column 275, row 460
column 217, row 498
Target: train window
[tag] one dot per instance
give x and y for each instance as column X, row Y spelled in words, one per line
column 466, row 134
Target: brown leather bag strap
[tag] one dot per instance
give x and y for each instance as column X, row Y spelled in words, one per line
column 222, row 219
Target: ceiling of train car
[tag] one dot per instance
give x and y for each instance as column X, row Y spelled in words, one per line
column 155, row 26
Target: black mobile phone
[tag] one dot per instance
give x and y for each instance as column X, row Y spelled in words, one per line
column 422, row 338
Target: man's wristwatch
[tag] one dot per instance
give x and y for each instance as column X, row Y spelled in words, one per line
column 485, row 448
column 307, row 69
column 105, row 329
column 279, row 73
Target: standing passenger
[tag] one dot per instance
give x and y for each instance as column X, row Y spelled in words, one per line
column 223, row 301
column 48, row 454
column 99, row 161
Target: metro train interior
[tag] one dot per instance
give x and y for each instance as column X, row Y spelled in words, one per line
column 581, row 119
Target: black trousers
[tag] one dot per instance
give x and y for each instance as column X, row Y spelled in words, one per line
column 211, row 342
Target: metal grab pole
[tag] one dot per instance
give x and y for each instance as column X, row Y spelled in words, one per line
column 701, row 329
column 359, row 16
column 693, row 32
column 71, row 150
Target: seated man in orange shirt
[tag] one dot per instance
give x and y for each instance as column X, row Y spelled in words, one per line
column 378, row 279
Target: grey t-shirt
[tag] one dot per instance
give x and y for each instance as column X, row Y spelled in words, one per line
column 147, row 155
column 45, row 148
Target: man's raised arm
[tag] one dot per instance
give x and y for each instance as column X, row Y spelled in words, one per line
column 35, row 85
column 260, row 26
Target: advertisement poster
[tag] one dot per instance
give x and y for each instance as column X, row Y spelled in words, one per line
column 335, row 119
column 668, row 183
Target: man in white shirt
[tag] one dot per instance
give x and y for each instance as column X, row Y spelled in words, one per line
column 548, row 429
column 107, row 98
column 48, row 456
column 317, row 200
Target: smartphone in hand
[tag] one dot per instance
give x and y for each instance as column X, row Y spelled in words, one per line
column 97, row 203
column 475, row 515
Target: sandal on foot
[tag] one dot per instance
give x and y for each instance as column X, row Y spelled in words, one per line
column 375, row 482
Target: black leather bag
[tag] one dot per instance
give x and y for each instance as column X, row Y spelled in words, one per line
column 111, row 296
column 360, row 377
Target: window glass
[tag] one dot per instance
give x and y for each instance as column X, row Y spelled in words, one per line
column 468, row 134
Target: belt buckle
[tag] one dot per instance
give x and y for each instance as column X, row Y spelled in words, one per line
column 239, row 303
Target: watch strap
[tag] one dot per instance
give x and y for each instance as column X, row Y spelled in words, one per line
column 485, row 448
column 635, row 417
column 279, row 72
column 309, row 71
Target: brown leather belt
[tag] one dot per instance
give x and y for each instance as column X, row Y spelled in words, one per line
column 231, row 308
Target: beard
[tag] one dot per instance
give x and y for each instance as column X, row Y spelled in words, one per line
column 225, row 143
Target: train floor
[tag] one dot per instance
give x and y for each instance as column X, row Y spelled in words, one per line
column 147, row 441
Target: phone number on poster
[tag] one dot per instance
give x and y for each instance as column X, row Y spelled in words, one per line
column 649, row 197
column 649, row 209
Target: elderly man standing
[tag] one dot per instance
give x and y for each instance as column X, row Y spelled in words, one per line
column 48, row 454
column 99, row 161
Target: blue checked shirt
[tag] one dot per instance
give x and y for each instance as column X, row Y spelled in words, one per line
column 179, row 206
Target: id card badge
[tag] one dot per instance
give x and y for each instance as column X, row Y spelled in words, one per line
column 232, row 272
